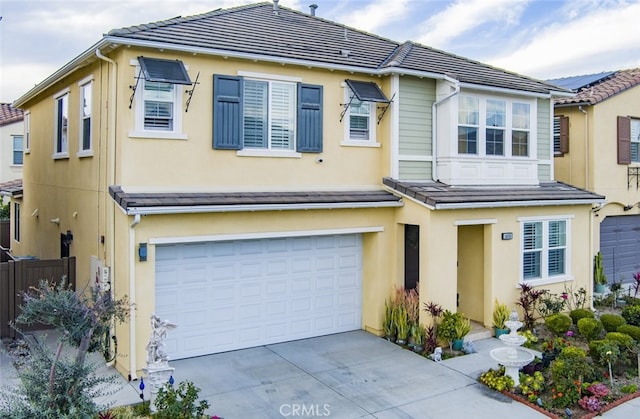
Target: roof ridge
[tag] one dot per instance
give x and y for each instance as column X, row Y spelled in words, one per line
column 180, row 19
column 398, row 55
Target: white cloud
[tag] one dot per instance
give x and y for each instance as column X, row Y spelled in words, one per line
column 587, row 42
column 462, row 17
column 374, row 15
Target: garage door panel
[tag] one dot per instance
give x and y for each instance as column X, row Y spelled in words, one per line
column 620, row 246
column 238, row 294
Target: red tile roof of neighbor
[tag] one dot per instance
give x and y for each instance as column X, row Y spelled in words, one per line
column 604, row 89
column 9, row 114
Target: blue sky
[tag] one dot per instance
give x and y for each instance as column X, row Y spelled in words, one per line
column 539, row 38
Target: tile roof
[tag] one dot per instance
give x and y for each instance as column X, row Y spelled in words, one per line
column 442, row 196
column 9, row 114
column 11, row 187
column 603, row 89
column 293, row 35
column 159, row 202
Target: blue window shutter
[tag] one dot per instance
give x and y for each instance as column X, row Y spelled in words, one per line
column 309, row 118
column 227, row 112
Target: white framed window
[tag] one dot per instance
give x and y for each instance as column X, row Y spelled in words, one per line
column 61, row 133
column 158, row 108
column 269, row 115
column 635, row 140
column 545, row 249
column 359, row 119
column 27, row 131
column 85, row 146
column 18, row 148
column 489, row 126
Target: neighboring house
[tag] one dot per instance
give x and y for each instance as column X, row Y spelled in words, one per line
column 11, row 142
column 597, row 147
column 259, row 174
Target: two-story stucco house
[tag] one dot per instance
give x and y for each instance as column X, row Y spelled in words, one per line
column 259, row 174
column 597, row 143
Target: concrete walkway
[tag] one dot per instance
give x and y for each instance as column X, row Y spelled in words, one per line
column 347, row 375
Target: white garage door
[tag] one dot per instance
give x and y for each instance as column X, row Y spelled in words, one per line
column 620, row 246
column 238, row 294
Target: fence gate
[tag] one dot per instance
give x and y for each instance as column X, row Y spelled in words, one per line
column 17, row 276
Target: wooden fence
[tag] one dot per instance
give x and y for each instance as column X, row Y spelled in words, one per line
column 17, row 276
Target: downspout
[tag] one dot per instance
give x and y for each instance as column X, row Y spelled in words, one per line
column 586, row 147
column 132, row 297
column 434, row 126
column 111, row 155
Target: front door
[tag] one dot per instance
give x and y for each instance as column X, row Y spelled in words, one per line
column 411, row 256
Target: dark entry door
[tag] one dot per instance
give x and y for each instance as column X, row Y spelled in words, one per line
column 411, row 256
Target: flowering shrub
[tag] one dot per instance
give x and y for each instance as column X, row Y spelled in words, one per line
column 566, row 394
column 598, row 390
column 496, row 379
column 531, row 385
column 590, row 403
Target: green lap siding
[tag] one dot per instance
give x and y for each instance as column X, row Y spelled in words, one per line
column 416, row 97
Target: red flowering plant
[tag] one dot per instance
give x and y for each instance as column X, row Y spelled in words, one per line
column 597, row 398
column 566, row 394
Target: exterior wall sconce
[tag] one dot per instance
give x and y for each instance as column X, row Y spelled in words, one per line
column 507, row 236
column 68, row 238
column 142, row 252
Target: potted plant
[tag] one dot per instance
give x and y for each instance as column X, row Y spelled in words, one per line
column 419, row 335
column 401, row 320
column 453, row 328
column 462, row 329
column 599, row 278
column 500, row 315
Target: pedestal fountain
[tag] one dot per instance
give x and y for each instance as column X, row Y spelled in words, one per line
column 512, row 357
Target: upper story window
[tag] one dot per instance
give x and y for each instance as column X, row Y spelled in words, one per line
column 635, row 140
column 260, row 114
column 61, row 134
column 86, row 95
column 17, row 150
column 27, row 131
column 560, row 135
column 545, row 249
column 269, row 115
column 158, row 95
column 359, row 115
column 493, row 127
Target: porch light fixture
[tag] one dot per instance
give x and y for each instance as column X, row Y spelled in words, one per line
column 142, row 252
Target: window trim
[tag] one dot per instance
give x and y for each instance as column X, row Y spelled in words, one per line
column 64, row 153
column 27, row 132
column 482, row 127
column 352, row 142
column 139, row 130
column 82, row 152
column 13, row 150
column 544, row 278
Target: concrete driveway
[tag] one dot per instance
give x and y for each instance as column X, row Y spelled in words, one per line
column 346, row 375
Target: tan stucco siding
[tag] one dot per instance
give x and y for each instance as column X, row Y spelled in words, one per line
column 167, row 163
column 378, row 267
column 500, row 270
